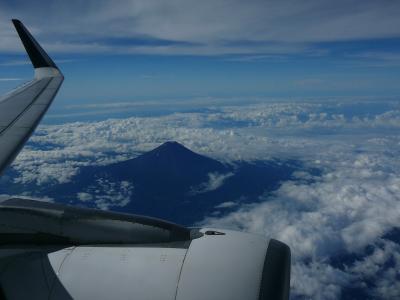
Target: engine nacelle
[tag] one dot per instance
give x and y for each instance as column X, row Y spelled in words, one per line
column 190, row 264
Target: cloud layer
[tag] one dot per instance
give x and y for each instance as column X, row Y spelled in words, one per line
column 228, row 133
column 336, row 221
column 192, row 27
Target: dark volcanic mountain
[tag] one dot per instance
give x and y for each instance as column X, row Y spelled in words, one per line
column 174, row 183
column 170, row 167
column 164, row 181
column 169, row 182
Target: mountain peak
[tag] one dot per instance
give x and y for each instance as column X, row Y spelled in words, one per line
column 169, row 166
column 172, row 143
column 173, row 157
column 172, row 147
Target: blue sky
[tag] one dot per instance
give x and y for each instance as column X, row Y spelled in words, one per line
column 140, row 50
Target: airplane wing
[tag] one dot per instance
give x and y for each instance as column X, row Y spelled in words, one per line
column 22, row 109
column 54, row 251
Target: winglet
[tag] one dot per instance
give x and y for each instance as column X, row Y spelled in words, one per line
column 38, row 56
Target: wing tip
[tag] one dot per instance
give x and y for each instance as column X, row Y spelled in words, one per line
column 16, row 21
column 39, row 57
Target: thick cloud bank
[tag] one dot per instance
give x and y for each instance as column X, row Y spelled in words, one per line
column 340, row 221
column 342, row 212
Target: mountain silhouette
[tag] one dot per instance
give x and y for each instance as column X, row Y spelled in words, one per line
column 163, row 180
column 168, row 166
column 169, row 182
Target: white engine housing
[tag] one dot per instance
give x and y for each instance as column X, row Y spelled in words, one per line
column 221, row 265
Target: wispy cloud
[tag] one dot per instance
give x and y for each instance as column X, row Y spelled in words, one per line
column 215, row 181
column 15, row 63
column 255, row 58
column 201, row 28
column 377, row 58
column 10, row 79
column 228, row 204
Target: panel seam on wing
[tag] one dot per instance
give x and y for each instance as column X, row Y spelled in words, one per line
column 26, row 109
column 58, row 272
column 180, row 271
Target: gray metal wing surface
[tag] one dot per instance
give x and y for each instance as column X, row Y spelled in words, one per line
column 22, row 109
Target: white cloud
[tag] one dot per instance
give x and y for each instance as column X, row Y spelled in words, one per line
column 317, row 281
column 228, row 204
column 215, row 181
column 84, row 197
column 106, row 194
column 352, row 205
column 10, row 79
column 382, row 267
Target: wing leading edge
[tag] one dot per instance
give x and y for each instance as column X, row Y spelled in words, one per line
column 22, row 109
